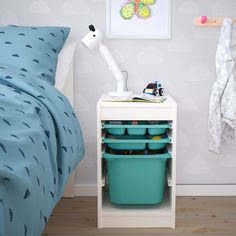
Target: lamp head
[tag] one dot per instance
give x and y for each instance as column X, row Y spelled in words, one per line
column 93, row 38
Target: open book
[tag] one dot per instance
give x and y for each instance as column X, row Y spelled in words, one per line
column 134, row 98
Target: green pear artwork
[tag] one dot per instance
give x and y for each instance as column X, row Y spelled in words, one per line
column 140, row 8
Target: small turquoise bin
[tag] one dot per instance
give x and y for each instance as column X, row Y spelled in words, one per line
column 155, row 146
column 115, row 131
column 156, row 131
column 136, row 179
column 139, row 129
column 159, row 128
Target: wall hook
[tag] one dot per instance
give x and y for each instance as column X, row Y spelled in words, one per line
column 203, row 19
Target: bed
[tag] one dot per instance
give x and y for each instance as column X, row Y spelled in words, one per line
column 40, row 138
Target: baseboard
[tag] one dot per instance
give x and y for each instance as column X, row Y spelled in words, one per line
column 206, row 190
column 85, row 190
column 181, row 190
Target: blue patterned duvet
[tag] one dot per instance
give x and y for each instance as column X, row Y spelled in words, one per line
column 40, row 145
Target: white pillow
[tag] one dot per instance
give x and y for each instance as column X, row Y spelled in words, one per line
column 64, row 65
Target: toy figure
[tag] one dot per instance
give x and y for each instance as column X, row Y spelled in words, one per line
column 154, row 89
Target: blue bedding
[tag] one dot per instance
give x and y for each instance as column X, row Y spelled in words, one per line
column 40, row 145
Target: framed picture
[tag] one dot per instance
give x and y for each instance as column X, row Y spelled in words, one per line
column 138, row 19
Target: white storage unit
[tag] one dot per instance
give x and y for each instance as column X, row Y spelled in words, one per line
column 160, row 215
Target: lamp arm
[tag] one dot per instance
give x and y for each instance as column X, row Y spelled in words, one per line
column 113, row 67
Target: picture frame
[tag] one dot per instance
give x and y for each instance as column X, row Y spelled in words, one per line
column 124, row 21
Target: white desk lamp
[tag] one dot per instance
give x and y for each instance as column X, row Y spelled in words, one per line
column 93, row 40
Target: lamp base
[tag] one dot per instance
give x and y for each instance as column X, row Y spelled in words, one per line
column 121, row 94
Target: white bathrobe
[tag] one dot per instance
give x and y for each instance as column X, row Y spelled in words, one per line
column 222, row 112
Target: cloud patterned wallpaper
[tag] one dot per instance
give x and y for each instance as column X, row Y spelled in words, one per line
column 185, row 65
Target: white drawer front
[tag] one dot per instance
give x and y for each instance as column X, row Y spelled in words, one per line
column 108, row 113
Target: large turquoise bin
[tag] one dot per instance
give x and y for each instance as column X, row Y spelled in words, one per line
column 136, row 179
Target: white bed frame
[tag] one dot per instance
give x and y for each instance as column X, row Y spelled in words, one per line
column 68, row 91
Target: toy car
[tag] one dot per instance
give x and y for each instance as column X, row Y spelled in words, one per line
column 154, row 89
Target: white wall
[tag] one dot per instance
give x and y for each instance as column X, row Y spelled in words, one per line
column 185, row 65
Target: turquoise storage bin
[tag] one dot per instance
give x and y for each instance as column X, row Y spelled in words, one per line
column 159, row 128
column 115, row 131
column 156, row 131
column 135, row 142
column 136, row 179
column 126, row 142
column 138, row 129
column 141, row 128
column 155, row 146
column 135, row 131
column 127, row 146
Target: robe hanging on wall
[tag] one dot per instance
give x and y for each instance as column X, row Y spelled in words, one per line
column 222, row 111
